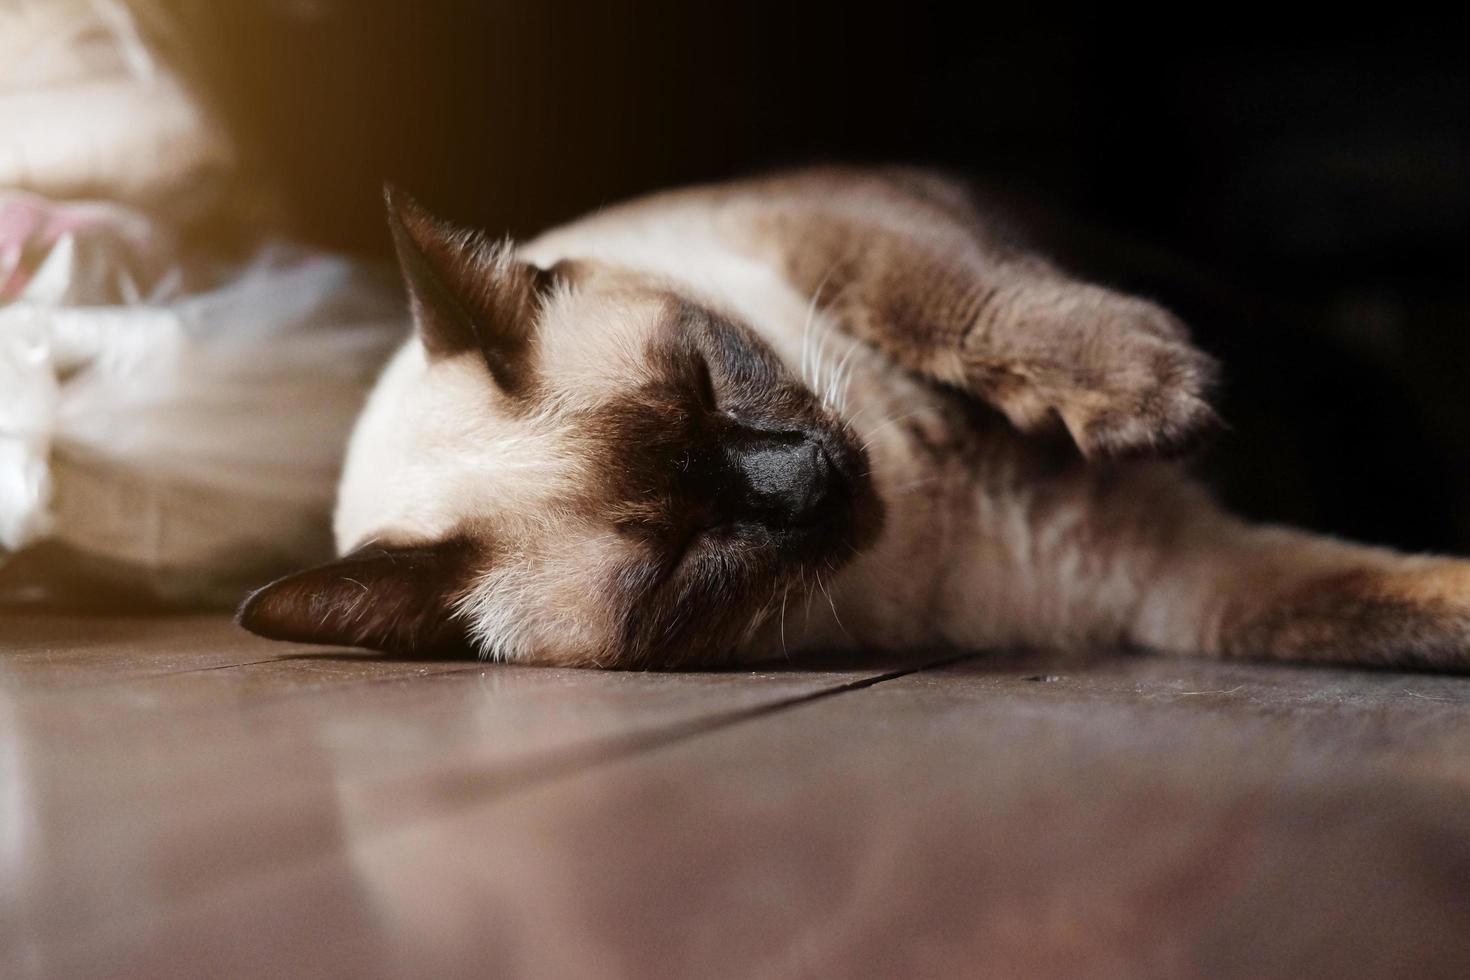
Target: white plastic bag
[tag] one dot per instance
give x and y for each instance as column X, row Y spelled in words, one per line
column 171, row 421
column 174, row 445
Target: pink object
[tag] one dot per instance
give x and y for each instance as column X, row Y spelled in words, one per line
column 31, row 226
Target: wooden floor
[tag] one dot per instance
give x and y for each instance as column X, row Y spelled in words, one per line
column 180, row 799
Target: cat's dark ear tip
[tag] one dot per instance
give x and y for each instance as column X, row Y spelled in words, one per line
column 399, row 203
column 288, row 608
column 393, row 195
column 256, row 612
column 406, row 213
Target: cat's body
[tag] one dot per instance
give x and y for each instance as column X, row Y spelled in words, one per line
column 836, row 408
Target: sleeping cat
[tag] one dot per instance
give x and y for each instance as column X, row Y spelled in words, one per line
column 835, row 408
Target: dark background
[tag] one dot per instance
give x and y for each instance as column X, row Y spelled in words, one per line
column 1302, row 200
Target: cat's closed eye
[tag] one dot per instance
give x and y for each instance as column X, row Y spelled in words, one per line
column 704, row 384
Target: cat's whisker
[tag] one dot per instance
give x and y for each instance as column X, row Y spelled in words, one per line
column 752, row 627
column 872, row 435
column 852, row 422
column 823, row 377
column 829, row 398
column 810, row 373
column 845, row 374
column 825, row 391
column 833, row 604
column 908, row 487
column 847, row 383
column 785, row 594
column 820, row 378
column 868, row 556
column 817, row 351
column 806, row 340
column 806, row 329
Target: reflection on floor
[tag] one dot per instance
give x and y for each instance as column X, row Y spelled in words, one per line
column 179, row 798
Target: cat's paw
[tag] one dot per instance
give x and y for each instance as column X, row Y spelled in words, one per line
column 1119, row 374
column 1149, row 397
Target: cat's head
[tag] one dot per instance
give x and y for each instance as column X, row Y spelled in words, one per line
column 577, row 465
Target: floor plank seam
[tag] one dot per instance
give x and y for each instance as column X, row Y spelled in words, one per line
column 535, row 773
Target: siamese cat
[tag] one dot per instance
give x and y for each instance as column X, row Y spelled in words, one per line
column 831, row 409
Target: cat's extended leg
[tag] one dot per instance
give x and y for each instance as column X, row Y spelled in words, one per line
column 901, row 260
column 1231, row 589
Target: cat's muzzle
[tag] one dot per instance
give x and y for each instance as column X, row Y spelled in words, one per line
column 785, row 483
column 788, row 482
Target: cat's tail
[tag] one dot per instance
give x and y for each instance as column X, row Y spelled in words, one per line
column 1228, row 588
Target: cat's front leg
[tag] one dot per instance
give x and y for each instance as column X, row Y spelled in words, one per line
column 901, row 262
column 1119, row 373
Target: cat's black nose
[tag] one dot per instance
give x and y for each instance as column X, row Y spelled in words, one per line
column 785, row 480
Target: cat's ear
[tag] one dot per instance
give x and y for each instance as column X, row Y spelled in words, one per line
column 468, row 292
column 398, row 599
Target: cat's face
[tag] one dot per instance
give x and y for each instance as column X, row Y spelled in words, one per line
column 577, row 466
